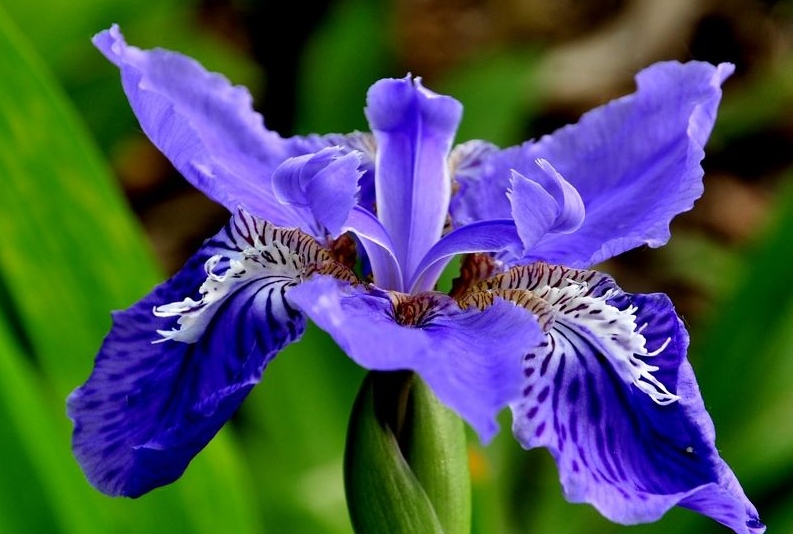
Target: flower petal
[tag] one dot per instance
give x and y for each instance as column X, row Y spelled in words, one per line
column 162, row 387
column 633, row 442
column 204, row 125
column 321, row 187
column 471, row 359
column 414, row 129
column 635, row 163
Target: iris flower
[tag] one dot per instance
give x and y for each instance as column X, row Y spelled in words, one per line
column 353, row 231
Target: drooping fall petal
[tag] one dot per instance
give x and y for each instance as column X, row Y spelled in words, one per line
column 177, row 364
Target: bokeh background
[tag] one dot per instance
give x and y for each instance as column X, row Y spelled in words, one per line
column 91, row 217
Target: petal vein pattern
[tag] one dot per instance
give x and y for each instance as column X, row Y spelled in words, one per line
column 583, row 316
column 269, row 264
column 631, row 440
column 151, row 404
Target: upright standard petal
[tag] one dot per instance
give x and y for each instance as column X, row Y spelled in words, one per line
column 609, row 392
column 176, row 365
column 471, row 359
column 635, row 163
column 414, row 129
column 205, row 126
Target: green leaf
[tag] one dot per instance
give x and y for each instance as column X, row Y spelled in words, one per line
column 70, row 254
column 344, row 57
column 46, row 501
column 744, row 368
column 295, row 428
column 745, row 344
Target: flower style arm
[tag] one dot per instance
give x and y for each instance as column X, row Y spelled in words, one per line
column 543, row 203
column 318, row 191
column 380, row 250
column 482, row 236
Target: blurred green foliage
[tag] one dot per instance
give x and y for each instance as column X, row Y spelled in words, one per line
column 72, row 251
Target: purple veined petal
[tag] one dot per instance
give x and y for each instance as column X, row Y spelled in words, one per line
column 723, row 499
column 471, row 359
column 378, row 246
column 414, row 129
column 164, row 382
column 321, row 187
column 482, row 236
column 631, row 445
column 205, row 126
column 635, row 163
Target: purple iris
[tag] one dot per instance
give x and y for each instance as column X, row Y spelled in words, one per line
column 596, row 375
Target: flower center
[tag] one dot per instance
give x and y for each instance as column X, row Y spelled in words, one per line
column 415, row 310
